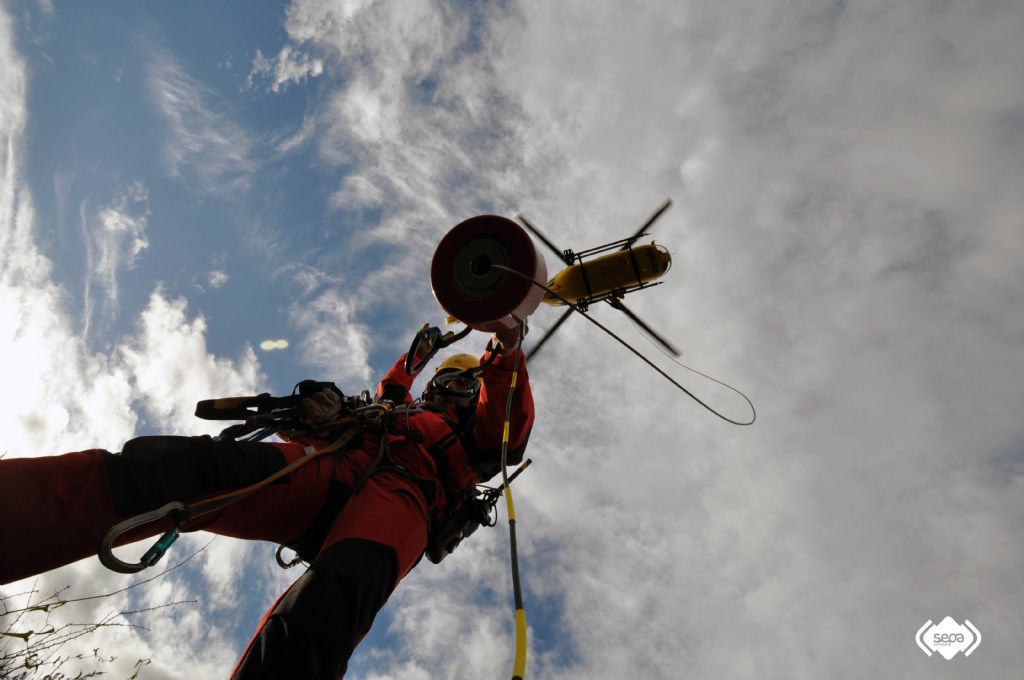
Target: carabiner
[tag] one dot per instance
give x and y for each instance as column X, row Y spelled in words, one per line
column 156, row 551
column 426, row 343
column 280, row 560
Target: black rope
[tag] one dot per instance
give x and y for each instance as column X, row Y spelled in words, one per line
column 625, row 344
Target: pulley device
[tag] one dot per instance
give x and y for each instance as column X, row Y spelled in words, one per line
column 469, row 286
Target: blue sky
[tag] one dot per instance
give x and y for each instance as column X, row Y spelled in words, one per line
column 104, row 128
column 181, row 182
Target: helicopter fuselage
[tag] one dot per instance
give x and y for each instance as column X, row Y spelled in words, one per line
column 609, row 276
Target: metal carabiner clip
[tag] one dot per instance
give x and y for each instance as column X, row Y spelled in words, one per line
column 425, row 345
column 156, row 551
column 280, row 558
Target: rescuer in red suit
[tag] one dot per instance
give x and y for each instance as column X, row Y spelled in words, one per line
column 361, row 517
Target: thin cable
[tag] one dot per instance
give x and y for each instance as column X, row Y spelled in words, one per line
column 642, row 357
column 691, row 369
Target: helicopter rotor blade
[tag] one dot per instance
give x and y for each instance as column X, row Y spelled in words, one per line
column 617, row 304
column 653, row 218
column 546, row 336
column 544, row 239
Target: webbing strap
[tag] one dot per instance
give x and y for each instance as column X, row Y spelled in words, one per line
column 184, row 513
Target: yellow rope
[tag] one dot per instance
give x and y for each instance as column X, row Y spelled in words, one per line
column 519, row 663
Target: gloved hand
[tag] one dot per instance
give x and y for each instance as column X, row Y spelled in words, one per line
column 423, row 349
column 322, row 407
column 507, row 341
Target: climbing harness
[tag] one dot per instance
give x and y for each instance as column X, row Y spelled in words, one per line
column 478, row 510
column 182, row 514
column 264, row 415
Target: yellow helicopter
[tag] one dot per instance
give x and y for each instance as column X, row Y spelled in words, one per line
column 625, row 268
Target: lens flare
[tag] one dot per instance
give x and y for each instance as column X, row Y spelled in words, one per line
column 271, row 345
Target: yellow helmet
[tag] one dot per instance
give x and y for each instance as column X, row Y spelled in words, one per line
column 451, row 381
column 458, row 362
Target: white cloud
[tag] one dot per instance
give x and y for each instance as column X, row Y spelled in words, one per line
column 334, row 342
column 205, row 145
column 114, row 238
column 804, row 276
column 357, row 191
column 289, row 66
column 419, row 110
column 218, row 278
column 58, row 392
column 310, row 20
column 16, row 213
column 300, row 138
column 172, row 368
column 220, row 562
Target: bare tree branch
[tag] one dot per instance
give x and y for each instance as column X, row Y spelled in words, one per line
column 38, row 647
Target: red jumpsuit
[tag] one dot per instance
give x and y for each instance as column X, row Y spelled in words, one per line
column 362, row 531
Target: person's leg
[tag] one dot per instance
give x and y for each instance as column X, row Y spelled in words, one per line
column 153, row 471
column 55, row 510
column 313, row 629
